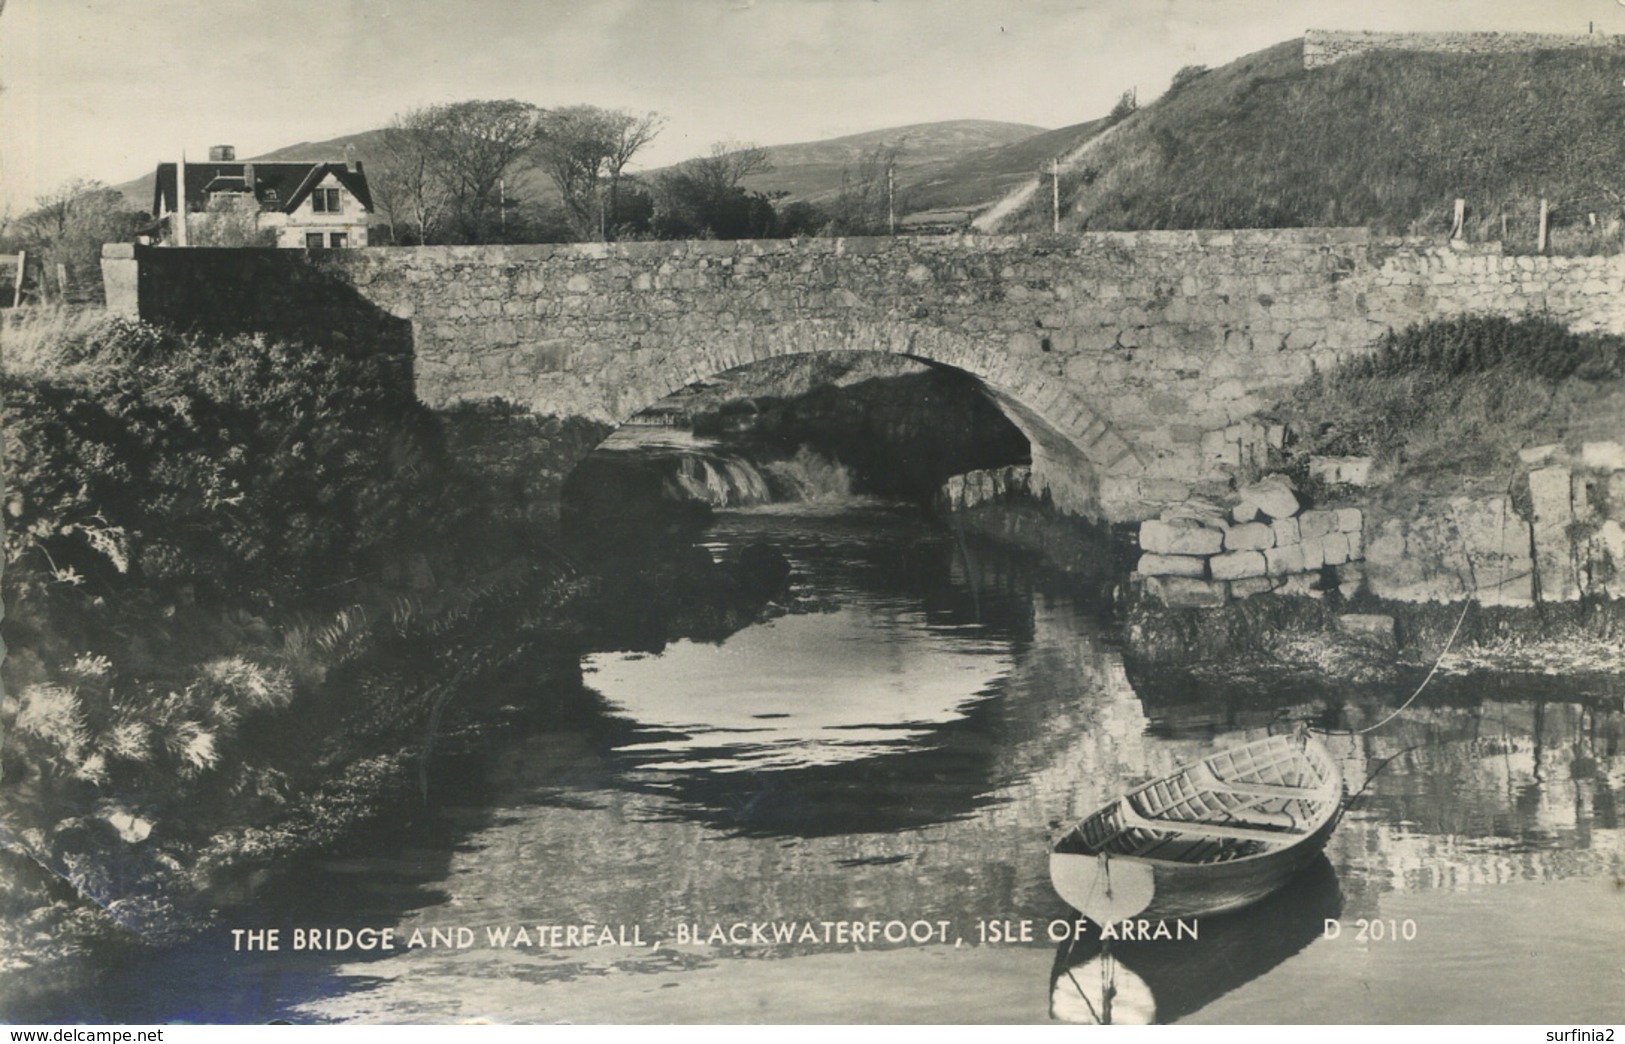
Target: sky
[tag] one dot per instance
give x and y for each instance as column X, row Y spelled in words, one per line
column 106, row 89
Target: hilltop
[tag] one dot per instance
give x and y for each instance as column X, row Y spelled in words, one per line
column 1387, row 139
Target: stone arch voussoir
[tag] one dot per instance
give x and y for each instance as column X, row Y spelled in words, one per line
column 1080, row 457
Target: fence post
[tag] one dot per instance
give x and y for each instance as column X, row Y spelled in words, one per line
column 1540, row 237
column 1458, row 228
column 21, row 258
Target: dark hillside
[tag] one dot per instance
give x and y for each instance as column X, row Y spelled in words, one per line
column 1386, row 140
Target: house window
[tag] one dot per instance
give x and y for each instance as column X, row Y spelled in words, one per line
column 313, row 240
column 325, row 201
column 338, row 240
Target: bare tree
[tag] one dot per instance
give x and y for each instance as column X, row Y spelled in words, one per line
column 69, row 225
column 233, row 221
column 706, row 196
column 409, row 185
column 866, row 198
column 445, row 166
column 483, row 142
column 585, row 149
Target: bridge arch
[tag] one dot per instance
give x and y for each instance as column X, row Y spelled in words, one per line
column 1074, row 445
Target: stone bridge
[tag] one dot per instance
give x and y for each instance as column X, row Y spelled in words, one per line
column 1132, row 361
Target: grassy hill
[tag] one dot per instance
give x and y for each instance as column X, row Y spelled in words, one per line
column 1387, row 140
column 813, row 170
column 978, row 177
column 804, row 170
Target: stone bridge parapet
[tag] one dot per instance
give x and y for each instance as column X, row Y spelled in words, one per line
column 1119, row 354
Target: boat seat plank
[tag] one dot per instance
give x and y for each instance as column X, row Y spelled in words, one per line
column 1133, row 817
column 1265, row 790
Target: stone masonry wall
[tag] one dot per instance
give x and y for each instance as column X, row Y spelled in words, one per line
column 1322, row 47
column 1202, row 553
column 1120, row 355
column 1561, row 537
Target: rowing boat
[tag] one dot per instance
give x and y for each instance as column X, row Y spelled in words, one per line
column 1215, row 835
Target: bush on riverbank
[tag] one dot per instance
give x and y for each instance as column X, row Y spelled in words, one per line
column 183, row 513
column 1445, row 406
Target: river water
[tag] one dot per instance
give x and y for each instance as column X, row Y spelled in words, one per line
column 841, row 813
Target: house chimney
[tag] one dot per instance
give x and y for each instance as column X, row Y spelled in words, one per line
column 222, row 153
column 349, row 157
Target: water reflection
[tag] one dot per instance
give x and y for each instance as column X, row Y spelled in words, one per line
column 1181, row 976
column 872, row 796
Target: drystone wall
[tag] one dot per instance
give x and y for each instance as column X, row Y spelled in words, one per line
column 1322, row 47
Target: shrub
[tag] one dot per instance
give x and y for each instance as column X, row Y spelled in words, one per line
column 237, row 469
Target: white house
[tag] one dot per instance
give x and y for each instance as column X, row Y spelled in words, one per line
column 304, row 204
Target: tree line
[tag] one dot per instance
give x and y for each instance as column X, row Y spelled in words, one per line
column 475, row 172
column 459, row 173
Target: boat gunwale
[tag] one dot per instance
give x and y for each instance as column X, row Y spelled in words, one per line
column 1328, row 791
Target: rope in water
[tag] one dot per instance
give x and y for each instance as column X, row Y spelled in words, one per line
column 1448, row 642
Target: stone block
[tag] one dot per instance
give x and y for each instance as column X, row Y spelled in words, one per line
column 1334, row 549
column 1178, row 592
column 1373, row 627
column 1286, row 531
column 1246, row 587
column 1304, row 585
column 1314, row 554
column 1586, row 493
column 1172, row 565
column 1251, row 536
column 1180, row 537
column 1348, row 471
column 1284, row 561
column 1219, row 450
column 1237, row 565
column 1605, row 456
column 1244, row 512
column 1610, row 538
column 1550, row 495
column 1273, row 495
column 1312, row 525
column 1356, row 541
column 1198, row 509
column 1350, row 520
column 1536, row 455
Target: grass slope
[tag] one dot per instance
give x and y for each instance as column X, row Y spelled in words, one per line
column 804, row 170
column 1444, row 408
column 988, row 174
column 1386, row 140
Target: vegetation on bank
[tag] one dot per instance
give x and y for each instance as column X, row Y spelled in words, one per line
column 1387, row 140
column 202, row 535
column 1445, row 407
column 254, row 593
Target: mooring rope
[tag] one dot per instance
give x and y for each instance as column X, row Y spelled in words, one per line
column 1448, row 642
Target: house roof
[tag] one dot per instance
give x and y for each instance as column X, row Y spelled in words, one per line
column 278, row 185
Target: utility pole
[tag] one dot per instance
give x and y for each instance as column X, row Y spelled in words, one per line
column 178, row 233
column 891, row 200
column 1055, row 194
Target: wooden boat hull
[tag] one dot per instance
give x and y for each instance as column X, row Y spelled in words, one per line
column 1208, row 838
